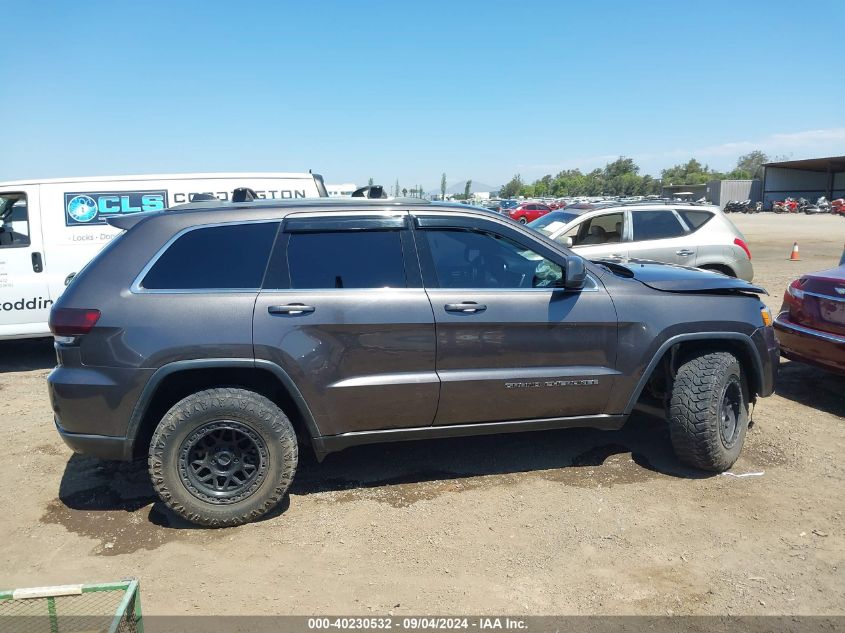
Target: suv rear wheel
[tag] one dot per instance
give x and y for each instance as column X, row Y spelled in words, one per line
column 708, row 412
column 223, row 457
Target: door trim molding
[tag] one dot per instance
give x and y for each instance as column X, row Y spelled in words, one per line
column 333, row 443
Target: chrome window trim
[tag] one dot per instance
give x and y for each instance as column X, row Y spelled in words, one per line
column 594, row 287
column 296, row 290
column 137, row 288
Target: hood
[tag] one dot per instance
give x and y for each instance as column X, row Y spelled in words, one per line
column 673, row 278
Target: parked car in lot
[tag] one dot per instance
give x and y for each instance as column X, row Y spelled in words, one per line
column 526, row 212
column 811, row 322
column 685, row 234
column 506, row 205
column 214, row 341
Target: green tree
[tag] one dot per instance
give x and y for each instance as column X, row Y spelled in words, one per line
column 512, row 188
column 620, row 167
column 750, row 165
column 404, row 192
column 690, row 173
column 370, row 182
column 396, row 189
column 443, row 186
column 467, row 188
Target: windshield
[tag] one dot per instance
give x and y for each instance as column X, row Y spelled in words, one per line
column 551, row 222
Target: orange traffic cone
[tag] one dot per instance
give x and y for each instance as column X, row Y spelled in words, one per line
column 794, row 256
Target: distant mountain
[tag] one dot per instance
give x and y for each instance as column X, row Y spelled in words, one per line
column 476, row 187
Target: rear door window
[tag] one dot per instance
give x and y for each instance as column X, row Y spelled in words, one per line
column 228, row 257
column 655, row 225
column 343, row 259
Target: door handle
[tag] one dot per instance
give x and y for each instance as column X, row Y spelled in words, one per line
column 684, row 252
column 617, row 255
column 291, row 308
column 37, row 264
column 465, row 307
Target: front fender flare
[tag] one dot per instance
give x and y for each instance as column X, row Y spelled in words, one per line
column 697, row 336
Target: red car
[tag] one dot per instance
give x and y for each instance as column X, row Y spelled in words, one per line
column 527, row 212
column 838, row 206
column 811, row 323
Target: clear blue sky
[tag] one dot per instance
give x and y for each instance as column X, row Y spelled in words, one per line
column 408, row 90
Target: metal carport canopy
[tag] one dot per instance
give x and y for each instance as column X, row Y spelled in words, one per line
column 830, row 184
column 834, row 164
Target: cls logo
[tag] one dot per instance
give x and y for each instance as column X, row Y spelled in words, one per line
column 95, row 208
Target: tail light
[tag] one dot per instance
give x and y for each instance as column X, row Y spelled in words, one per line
column 794, row 299
column 73, row 321
column 743, row 246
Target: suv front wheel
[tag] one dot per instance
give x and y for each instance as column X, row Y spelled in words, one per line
column 223, row 457
column 708, row 412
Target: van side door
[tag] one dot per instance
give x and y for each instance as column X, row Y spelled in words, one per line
column 24, row 293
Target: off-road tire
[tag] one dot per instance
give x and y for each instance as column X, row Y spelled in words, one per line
column 275, row 441
column 703, row 385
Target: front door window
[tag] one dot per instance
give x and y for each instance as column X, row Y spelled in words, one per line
column 476, row 259
column 14, row 220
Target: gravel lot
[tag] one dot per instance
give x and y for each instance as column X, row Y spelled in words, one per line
column 568, row 522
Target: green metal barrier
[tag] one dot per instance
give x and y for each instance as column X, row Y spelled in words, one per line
column 102, row 608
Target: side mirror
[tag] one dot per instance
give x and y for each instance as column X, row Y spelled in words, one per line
column 567, row 242
column 575, row 274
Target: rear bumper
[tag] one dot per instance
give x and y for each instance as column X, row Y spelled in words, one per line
column 806, row 345
column 102, row 446
column 92, row 407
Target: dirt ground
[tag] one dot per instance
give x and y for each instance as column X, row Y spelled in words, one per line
column 568, row 522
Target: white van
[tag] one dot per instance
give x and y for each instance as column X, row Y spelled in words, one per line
column 49, row 229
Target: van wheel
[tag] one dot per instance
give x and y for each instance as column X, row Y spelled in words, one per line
column 223, row 457
column 708, row 412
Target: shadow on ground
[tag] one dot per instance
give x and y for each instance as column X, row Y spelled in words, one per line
column 115, row 502
column 812, row 387
column 27, row 354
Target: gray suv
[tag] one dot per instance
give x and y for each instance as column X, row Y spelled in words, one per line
column 216, row 341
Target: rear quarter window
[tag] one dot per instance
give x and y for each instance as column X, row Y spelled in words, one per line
column 695, row 219
column 229, row 257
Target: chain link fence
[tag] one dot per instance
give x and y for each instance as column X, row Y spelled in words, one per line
column 101, row 608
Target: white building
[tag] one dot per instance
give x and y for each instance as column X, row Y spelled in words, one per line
column 343, row 190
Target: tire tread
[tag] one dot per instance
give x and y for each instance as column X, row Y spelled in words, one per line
column 248, row 402
column 694, row 411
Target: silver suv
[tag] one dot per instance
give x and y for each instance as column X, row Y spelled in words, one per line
column 685, row 234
